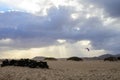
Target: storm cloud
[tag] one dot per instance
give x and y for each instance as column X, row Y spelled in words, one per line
column 90, row 21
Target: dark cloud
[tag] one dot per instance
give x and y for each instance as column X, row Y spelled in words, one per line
column 28, row 30
column 112, row 7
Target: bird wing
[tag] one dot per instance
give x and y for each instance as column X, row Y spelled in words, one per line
column 88, row 49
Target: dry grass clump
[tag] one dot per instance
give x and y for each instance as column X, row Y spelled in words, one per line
column 65, row 70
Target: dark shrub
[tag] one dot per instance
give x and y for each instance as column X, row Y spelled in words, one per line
column 75, row 59
column 24, row 63
column 5, row 63
column 118, row 58
column 32, row 64
column 51, row 58
column 13, row 62
column 110, row 59
column 43, row 65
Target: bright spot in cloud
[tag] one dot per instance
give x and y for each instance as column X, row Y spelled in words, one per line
column 30, row 5
column 57, row 2
column 91, row 6
column 6, row 41
column 2, row 11
column 88, row 16
column 77, row 28
column 74, row 16
column 85, row 42
column 61, row 40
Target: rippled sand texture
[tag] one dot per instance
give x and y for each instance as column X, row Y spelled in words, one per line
column 65, row 70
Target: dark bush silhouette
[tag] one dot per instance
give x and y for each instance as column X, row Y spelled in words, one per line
column 5, row 63
column 118, row 58
column 24, row 63
column 110, row 59
column 75, row 59
column 51, row 58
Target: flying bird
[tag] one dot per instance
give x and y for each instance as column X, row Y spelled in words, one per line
column 87, row 49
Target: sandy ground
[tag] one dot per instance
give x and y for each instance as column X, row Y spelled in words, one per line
column 65, row 70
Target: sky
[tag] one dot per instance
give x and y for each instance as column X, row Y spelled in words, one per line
column 59, row 28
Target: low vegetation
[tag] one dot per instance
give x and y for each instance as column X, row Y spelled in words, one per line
column 75, row 59
column 50, row 58
column 118, row 58
column 111, row 59
column 24, row 63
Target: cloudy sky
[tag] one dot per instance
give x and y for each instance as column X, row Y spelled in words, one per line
column 59, row 28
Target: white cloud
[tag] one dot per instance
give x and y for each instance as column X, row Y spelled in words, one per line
column 64, row 50
column 6, row 41
column 36, row 6
column 75, row 16
column 32, row 6
column 85, row 42
column 2, row 11
column 61, row 40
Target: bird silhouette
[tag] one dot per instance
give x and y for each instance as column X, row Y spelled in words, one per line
column 87, row 49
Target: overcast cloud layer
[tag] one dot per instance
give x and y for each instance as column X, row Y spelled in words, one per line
column 63, row 26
